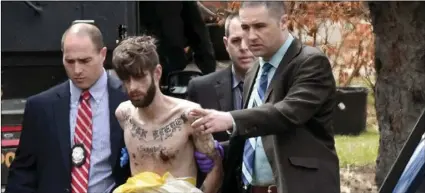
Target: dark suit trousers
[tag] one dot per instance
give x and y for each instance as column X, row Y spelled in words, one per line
column 198, row 37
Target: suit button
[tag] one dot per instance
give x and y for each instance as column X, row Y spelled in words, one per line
column 66, row 190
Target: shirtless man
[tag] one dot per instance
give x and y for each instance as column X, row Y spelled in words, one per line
column 157, row 130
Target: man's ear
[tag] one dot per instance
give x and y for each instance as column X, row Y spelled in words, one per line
column 103, row 52
column 226, row 43
column 158, row 72
column 284, row 22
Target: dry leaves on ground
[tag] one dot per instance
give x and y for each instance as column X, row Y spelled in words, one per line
column 359, row 179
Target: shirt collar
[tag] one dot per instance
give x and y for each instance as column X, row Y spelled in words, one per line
column 278, row 56
column 96, row 91
column 235, row 79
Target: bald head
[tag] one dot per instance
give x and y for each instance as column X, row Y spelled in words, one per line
column 85, row 30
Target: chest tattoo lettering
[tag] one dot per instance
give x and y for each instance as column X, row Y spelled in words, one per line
column 150, row 150
column 136, row 131
column 158, row 152
column 168, row 130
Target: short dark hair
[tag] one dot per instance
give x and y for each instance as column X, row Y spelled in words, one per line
column 134, row 55
column 276, row 8
column 229, row 19
column 85, row 29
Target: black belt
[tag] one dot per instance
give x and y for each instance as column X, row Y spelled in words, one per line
column 262, row 189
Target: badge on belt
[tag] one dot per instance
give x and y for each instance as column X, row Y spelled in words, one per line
column 79, row 155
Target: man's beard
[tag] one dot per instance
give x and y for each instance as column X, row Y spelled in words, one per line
column 146, row 101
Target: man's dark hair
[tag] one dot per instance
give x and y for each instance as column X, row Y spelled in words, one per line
column 135, row 55
column 276, row 8
column 85, row 29
column 229, row 19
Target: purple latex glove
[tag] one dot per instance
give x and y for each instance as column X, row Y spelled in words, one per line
column 204, row 162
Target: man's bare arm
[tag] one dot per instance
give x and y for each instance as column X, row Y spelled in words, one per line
column 205, row 144
column 122, row 113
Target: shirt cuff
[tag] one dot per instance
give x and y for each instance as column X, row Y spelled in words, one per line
column 234, row 127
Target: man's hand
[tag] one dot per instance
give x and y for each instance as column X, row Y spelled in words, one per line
column 211, row 121
column 205, row 163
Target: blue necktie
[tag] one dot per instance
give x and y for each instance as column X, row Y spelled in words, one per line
column 240, row 87
column 249, row 148
column 264, row 80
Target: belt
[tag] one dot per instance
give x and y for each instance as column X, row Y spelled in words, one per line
column 263, row 189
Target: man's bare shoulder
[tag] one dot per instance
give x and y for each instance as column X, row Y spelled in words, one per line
column 123, row 110
column 185, row 104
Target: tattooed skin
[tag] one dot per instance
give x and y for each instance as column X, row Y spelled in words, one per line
column 168, row 130
column 150, row 150
column 166, row 142
column 136, row 131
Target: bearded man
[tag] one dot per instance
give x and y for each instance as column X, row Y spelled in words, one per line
column 157, row 130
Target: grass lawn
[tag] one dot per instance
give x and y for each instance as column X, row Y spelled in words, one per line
column 358, row 150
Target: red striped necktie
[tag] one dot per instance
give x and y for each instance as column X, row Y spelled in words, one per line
column 83, row 136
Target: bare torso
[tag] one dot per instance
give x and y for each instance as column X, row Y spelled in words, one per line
column 162, row 144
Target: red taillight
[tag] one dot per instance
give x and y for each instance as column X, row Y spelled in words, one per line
column 14, row 128
column 9, row 142
column 10, row 129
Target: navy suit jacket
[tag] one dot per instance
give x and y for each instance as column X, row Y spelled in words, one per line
column 43, row 158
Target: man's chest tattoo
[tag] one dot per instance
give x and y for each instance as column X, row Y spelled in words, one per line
column 157, row 152
column 162, row 133
column 167, row 131
column 150, row 150
column 136, row 131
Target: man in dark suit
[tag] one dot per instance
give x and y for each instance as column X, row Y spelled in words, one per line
column 222, row 90
column 71, row 140
column 283, row 141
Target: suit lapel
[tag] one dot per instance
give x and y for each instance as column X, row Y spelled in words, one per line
column 249, row 83
column 61, row 109
column 223, row 87
column 290, row 54
column 116, row 96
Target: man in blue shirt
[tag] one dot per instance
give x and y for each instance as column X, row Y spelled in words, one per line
column 283, row 141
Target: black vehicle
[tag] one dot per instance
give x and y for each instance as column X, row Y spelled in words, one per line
column 32, row 60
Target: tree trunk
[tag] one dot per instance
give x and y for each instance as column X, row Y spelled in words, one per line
column 400, row 67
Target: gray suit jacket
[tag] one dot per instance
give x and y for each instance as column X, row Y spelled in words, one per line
column 213, row 91
column 295, row 124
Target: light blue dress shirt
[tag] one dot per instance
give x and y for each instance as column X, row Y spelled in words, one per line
column 263, row 174
column 100, row 174
column 414, row 170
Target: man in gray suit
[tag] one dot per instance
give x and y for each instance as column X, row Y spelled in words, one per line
column 282, row 142
column 222, row 90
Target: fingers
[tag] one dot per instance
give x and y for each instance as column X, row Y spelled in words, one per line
column 205, row 162
column 209, row 130
column 198, row 112
column 219, row 148
column 199, row 123
column 199, row 155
